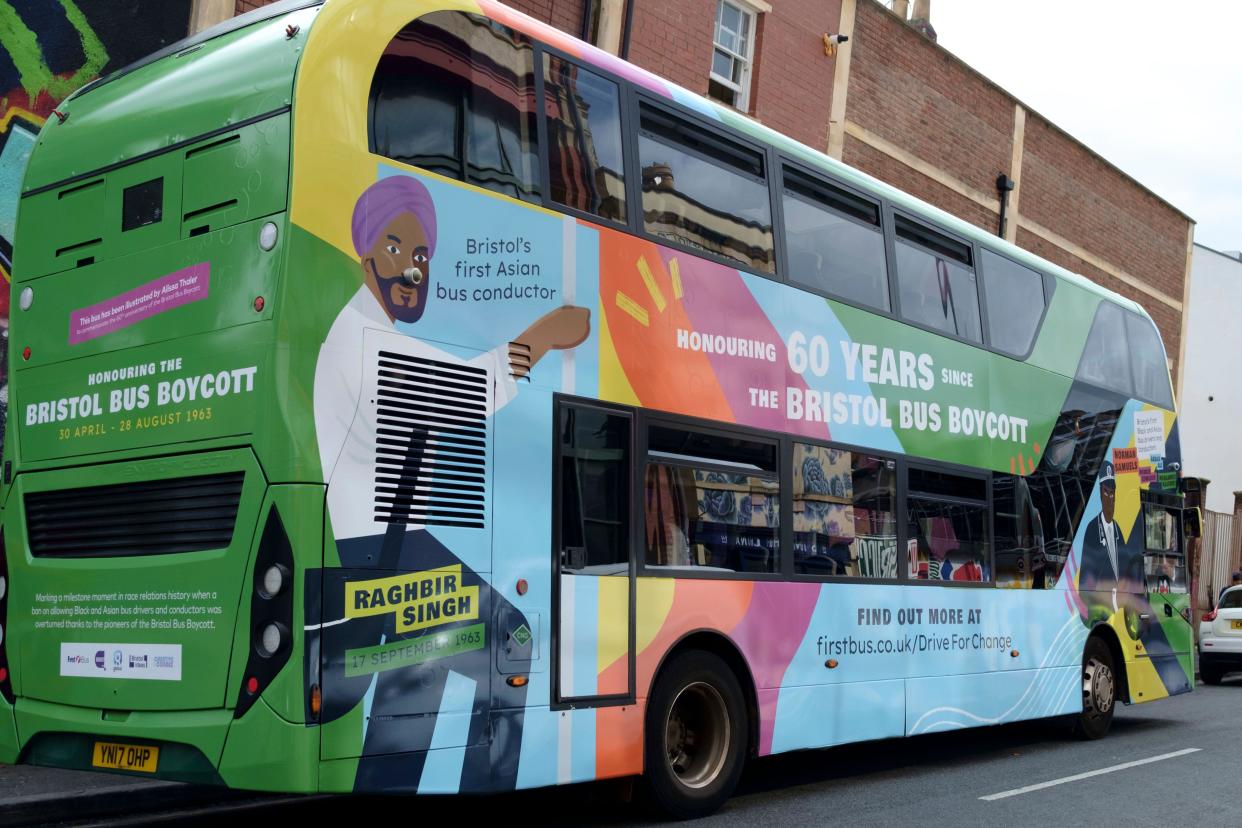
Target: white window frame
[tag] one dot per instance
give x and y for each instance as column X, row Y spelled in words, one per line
column 750, row 10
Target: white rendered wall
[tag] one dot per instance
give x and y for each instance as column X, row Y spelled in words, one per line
column 1211, row 430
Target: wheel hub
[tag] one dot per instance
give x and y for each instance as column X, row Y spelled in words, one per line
column 696, row 735
column 1098, row 688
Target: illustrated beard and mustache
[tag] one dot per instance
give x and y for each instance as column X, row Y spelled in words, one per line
column 418, row 300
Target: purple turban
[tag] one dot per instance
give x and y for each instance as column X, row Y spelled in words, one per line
column 386, row 199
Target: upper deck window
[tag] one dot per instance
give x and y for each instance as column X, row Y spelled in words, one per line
column 1015, row 298
column 705, row 191
column 1105, row 359
column 582, row 112
column 1151, row 372
column 1123, row 354
column 454, row 93
column 834, row 241
column 936, row 280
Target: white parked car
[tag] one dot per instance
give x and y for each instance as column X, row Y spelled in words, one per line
column 1220, row 638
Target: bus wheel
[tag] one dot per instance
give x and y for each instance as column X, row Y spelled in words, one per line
column 1099, row 690
column 696, row 735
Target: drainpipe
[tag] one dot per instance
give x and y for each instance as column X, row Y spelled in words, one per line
column 1004, row 186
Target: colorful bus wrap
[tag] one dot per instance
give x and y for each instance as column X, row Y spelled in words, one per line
column 447, row 405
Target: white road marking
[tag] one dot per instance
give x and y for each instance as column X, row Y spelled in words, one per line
column 1076, row 777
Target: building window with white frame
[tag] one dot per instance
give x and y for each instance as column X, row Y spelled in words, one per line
column 733, row 54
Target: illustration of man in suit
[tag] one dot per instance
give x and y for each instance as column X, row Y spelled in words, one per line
column 1111, row 571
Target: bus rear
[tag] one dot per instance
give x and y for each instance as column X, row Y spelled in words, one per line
column 157, row 510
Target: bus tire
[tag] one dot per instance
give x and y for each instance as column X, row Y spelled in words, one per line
column 1099, row 690
column 695, row 736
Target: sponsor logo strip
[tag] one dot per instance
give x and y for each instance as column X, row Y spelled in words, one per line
column 159, row 662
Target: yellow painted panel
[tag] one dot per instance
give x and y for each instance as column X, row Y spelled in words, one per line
column 655, row 600
column 614, row 617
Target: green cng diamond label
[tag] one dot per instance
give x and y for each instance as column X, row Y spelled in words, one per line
column 397, row 654
column 521, row 635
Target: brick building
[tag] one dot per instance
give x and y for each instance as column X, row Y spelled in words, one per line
column 894, row 104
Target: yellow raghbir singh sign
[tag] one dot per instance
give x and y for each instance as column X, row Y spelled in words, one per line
column 419, row 600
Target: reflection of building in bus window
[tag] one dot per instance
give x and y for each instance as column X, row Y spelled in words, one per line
column 455, row 94
column 582, row 112
column 701, row 190
column 843, row 513
column 711, row 501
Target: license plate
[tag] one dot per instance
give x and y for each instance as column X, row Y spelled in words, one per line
column 1237, row 625
column 113, row 755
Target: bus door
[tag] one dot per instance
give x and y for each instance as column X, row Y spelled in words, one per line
column 594, row 570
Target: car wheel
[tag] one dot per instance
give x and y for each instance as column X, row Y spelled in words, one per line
column 1210, row 673
column 1099, row 690
column 696, row 734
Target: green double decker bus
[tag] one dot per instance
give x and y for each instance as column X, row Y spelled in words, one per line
column 408, row 397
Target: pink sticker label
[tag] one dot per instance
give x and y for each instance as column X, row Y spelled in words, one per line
column 165, row 293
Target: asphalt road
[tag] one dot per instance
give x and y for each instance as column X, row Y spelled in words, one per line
column 925, row 781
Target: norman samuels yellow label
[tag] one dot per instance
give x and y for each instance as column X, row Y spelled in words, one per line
column 419, row 600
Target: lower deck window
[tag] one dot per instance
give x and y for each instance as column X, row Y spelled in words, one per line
column 844, row 513
column 711, row 502
column 947, row 533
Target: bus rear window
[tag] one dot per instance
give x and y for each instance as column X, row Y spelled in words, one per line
column 454, row 93
column 704, row 191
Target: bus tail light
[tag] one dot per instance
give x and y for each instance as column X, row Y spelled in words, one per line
column 6, row 682
column 271, row 612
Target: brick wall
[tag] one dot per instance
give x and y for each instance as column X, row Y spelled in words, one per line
column 864, row 157
column 674, row 40
column 793, row 78
column 913, row 94
column 565, row 15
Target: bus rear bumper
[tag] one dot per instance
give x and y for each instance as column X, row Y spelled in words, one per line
column 260, row 751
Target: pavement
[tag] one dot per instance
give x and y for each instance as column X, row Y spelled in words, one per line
column 1167, row 762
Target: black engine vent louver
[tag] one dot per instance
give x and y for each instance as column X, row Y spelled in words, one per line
column 154, row 517
column 431, row 442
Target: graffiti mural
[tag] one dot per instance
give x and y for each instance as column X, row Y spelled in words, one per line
column 49, row 48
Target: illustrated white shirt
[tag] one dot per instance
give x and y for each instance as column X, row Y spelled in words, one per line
column 345, row 417
column 1110, row 543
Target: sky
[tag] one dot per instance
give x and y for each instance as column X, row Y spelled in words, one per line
column 1154, row 87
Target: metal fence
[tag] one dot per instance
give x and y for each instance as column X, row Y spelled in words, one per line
column 1219, row 554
